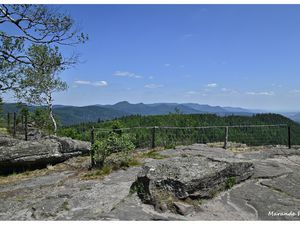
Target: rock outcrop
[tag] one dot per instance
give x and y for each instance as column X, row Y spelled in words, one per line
column 168, row 181
column 62, row 192
column 19, row 155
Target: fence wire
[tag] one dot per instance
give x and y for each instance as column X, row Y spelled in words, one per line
column 251, row 135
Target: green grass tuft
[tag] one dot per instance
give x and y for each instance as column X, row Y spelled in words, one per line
column 154, row 154
column 230, row 182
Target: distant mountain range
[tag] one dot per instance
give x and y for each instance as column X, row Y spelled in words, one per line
column 69, row 115
column 293, row 116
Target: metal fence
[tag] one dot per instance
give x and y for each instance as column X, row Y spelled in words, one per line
column 252, row 135
column 16, row 124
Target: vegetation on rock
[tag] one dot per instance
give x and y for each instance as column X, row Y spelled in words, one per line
column 114, row 149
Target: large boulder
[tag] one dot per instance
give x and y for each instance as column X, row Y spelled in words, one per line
column 19, row 155
column 165, row 182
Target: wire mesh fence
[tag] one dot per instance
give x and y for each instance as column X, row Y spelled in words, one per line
column 251, row 135
column 15, row 124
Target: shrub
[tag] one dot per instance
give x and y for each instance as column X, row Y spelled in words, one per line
column 114, row 143
column 230, row 182
column 116, row 126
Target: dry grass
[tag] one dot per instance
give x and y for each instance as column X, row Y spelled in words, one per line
column 96, row 174
column 14, row 177
column 136, row 159
column 71, row 164
column 78, row 164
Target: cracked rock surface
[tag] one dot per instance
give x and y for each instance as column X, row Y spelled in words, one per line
column 271, row 193
column 18, row 154
column 194, row 177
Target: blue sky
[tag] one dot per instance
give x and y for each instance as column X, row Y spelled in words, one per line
column 228, row 55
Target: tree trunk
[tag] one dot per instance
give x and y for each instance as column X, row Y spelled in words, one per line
column 51, row 113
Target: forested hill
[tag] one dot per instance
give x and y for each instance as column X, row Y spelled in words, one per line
column 190, row 120
column 69, row 115
column 82, row 131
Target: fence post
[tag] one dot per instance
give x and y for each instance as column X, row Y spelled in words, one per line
column 22, row 121
column 26, row 127
column 226, row 137
column 153, row 137
column 8, row 121
column 92, row 142
column 289, row 137
column 15, row 124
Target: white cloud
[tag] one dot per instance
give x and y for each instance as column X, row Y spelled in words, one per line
column 82, row 82
column 167, row 65
column 229, row 91
column 266, row 93
column 191, row 92
column 100, row 83
column 212, row 85
column 151, row 77
column 126, row 74
column 153, row 86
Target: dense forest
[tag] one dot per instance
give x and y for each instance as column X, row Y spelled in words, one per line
column 166, row 135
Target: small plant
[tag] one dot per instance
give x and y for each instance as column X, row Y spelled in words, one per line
column 230, row 182
column 183, row 155
column 65, row 206
column 136, row 187
column 98, row 173
column 116, row 127
column 113, row 144
column 170, row 146
column 196, row 203
column 213, row 193
column 130, row 161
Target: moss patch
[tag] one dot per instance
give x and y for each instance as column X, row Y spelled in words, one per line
column 230, row 182
column 153, row 154
column 97, row 173
column 65, row 206
column 3, row 130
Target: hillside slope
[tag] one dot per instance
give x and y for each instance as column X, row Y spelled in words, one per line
column 69, row 115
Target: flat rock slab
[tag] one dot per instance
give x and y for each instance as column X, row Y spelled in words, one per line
column 200, row 150
column 269, row 168
column 187, row 177
column 63, row 195
column 18, row 155
column 289, row 185
column 267, row 153
column 268, row 203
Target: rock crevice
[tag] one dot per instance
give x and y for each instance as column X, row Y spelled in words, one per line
column 176, row 179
